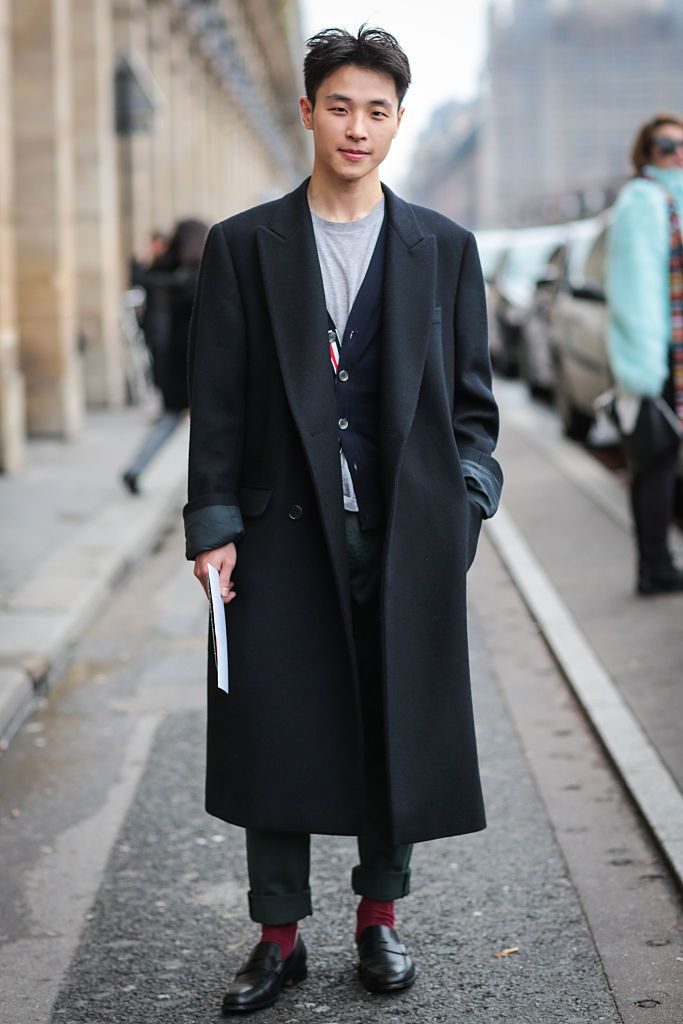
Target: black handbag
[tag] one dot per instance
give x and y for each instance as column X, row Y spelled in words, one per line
column 656, row 435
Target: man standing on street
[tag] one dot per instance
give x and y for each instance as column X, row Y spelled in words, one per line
column 342, row 429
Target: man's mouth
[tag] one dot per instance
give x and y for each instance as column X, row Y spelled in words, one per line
column 354, row 154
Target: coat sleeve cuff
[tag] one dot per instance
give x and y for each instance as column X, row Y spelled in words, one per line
column 484, row 480
column 211, row 527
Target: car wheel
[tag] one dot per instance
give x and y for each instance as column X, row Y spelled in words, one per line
column 524, row 362
column 506, row 362
column 530, row 367
column 575, row 423
column 528, row 374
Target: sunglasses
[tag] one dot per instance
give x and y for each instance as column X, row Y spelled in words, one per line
column 666, row 145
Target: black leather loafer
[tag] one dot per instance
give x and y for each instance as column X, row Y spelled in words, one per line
column 259, row 982
column 385, row 966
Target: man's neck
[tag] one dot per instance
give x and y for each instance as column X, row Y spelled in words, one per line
column 345, row 201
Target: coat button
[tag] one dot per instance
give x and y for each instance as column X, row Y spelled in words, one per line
column 343, row 375
column 296, row 512
column 343, row 423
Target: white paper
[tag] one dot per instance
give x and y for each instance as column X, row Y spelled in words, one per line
column 218, row 629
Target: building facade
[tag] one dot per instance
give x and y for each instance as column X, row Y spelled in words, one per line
column 118, row 118
column 569, row 82
column 447, row 173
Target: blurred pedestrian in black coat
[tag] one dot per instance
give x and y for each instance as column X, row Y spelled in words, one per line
column 169, row 284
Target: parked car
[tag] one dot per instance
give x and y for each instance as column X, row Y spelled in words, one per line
column 492, row 247
column 512, row 290
column 564, row 264
column 578, row 329
column 535, row 360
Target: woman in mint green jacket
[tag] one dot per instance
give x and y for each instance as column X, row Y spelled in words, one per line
column 645, row 337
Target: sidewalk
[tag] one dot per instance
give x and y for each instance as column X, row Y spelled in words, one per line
column 561, row 912
column 70, row 531
column 564, row 535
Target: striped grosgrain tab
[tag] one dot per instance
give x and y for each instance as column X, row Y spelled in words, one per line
column 334, row 349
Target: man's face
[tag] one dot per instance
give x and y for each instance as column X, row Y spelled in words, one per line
column 354, row 121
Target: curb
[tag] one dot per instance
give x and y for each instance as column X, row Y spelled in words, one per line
column 653, row 789
column 45, row 617
column 17, row 696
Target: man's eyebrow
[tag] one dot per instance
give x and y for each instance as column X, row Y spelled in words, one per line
column 347, row 99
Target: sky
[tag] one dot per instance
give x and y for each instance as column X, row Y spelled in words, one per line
column 445, row 44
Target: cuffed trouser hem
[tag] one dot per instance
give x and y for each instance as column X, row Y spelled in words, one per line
column 280, row 909
column 380, row 885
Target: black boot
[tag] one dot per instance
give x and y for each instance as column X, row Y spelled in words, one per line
column 659, row 579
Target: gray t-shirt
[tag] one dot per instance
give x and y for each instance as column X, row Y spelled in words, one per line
column 345, row 249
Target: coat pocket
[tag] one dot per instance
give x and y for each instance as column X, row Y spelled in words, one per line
column 254, row 500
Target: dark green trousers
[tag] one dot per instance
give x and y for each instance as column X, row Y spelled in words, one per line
column 278, row 862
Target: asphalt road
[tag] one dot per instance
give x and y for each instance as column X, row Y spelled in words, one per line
column 123, row 901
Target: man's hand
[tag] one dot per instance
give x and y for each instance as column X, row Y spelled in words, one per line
column 224, row 560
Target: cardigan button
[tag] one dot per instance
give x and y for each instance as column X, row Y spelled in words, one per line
column 343, row 423
column 295, row 512
column 343, row 375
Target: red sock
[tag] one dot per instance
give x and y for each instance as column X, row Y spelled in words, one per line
column 374, row 912
column 283, row 934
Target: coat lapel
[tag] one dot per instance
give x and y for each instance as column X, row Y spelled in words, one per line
column 408, row 312
column 296, row 302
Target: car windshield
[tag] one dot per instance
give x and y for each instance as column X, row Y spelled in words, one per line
column 489, row 256
column 524, row 264
column 491, row 246
column 581, row 242
column 528, row 261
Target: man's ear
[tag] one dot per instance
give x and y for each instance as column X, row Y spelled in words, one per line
column 306, row 111
column 399, row 118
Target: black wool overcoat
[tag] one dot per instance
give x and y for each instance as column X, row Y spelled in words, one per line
column 285, row 746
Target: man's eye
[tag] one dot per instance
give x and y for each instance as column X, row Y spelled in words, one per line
column 338, row 110
column 379, row 113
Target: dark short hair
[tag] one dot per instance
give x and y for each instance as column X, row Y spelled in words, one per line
column 373, row 49
column 642, row 146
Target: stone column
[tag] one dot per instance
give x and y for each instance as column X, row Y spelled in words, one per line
column 227, row 154
column 12, row 425
column 159, row 22
column 224, row 153
column 97, row 222
column 238, row 139
column 200, row 202
column 45, row 226
column 253, row 169
column 181, row 113
column 214, row 142
column 134, row 149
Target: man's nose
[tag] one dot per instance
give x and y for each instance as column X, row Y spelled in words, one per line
column 356, row 128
